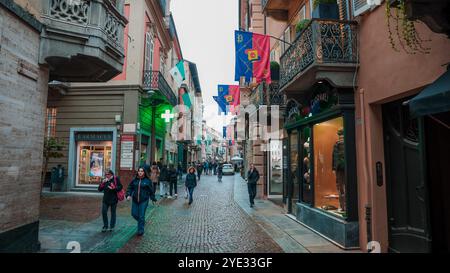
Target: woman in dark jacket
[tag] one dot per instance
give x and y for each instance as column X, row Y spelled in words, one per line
column 191, row 183
column 140, row 190
column 109, row 186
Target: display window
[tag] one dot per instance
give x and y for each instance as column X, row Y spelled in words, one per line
column 294, row 171
column 306, row 165
column 329, row 166
column 94, row 159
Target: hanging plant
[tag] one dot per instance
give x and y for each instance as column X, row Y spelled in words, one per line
column 408, row 38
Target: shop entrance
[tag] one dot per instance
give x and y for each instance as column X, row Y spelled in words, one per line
column 406, row 186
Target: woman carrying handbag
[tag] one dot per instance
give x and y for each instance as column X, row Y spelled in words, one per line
column 112, row 193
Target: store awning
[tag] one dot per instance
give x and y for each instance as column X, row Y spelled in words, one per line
column 433, row 99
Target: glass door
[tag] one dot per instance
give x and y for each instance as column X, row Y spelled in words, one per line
column 275, row 168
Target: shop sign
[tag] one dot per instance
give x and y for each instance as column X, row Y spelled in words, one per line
column 126, row 152
column 94, row 136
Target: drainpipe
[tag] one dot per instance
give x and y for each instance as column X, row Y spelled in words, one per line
column 368, row 206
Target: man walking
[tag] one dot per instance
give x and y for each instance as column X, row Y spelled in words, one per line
column 252, row 179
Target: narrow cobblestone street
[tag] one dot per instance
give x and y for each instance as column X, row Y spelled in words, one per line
column 214, row 223
column 219, row 220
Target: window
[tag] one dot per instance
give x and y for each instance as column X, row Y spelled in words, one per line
column 287, row 38
column 50, row 122
column 293, row 172
column 162, row 67
column 306, row 165
column 329, row 166
column 311, row 8
column 149, row 47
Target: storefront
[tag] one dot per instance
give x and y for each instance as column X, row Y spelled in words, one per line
column 92, row 152
column 320, row 185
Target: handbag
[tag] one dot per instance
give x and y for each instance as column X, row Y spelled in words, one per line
column 121, row 193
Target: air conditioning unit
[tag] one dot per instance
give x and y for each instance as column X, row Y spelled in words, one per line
column 361, row 7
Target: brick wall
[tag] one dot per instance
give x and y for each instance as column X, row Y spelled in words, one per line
column 23, row 96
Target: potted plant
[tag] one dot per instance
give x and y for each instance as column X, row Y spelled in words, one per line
column 275, row 71
column 301, row 26
column 325, row 9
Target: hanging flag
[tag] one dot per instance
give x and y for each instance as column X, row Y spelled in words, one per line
column 222, row 104
column 185, row 98
column 178, row 73
column 252, row 56
column 230, row 95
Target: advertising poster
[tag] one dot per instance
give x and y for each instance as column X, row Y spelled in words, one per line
column 96, row 166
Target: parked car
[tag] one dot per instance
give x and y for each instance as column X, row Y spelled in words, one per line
column 228, row 169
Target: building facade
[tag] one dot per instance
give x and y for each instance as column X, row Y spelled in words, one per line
column 126, row 122
column 32, row 53
column 364, row 167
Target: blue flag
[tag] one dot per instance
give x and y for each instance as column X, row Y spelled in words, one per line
column 222, row 104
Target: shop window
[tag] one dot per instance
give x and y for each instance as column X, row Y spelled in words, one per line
column 294, row 171
column 50, row 122
column 93, row 161
column 329, row 166
column 306, row 167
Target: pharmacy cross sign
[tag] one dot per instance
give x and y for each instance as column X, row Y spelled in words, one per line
column 167, row 116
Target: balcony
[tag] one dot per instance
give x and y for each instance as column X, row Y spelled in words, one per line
column 154, row 80
column 277, row 9
column 82, row 40
column 325, row 50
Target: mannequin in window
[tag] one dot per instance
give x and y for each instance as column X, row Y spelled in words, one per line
column 338, row 166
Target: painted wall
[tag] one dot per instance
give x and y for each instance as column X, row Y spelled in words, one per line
column 386, row 75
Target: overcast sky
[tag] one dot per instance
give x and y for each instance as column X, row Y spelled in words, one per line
column 206, row 32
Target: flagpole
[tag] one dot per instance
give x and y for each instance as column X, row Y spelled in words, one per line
column 240, row 29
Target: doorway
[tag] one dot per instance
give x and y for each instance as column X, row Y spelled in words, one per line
column 406, row 185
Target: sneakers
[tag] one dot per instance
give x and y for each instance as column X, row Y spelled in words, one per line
column 169, row 197
column 176, row 195
column 104, row 229
column 111, row 229
column 140, row 233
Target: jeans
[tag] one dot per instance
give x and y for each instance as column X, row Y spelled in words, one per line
column 191, row 192
column 105, row 208
column 173, row 185
column 138, row 213
column 163, row 185
column 252, row 192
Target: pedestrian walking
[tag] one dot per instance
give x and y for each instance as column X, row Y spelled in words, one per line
column 191, row 183
column 140, row 191
column 252, row 179
column 199, row 170
column 110, row 186
column 180, row 170
column 219, row 172
column 164, row 179
column 154, row 176
column 173, row 181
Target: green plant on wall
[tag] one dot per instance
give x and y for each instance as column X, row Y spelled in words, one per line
column 317, row 2
column 407, row 35
column 302, row 25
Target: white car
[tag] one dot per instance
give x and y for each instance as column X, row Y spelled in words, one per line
column 227, row 169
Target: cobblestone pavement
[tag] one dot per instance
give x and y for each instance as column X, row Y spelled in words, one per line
column 214, row 223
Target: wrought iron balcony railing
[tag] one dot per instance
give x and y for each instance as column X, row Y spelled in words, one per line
column 83, row 39
column 154, row 80
column 321, row 42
